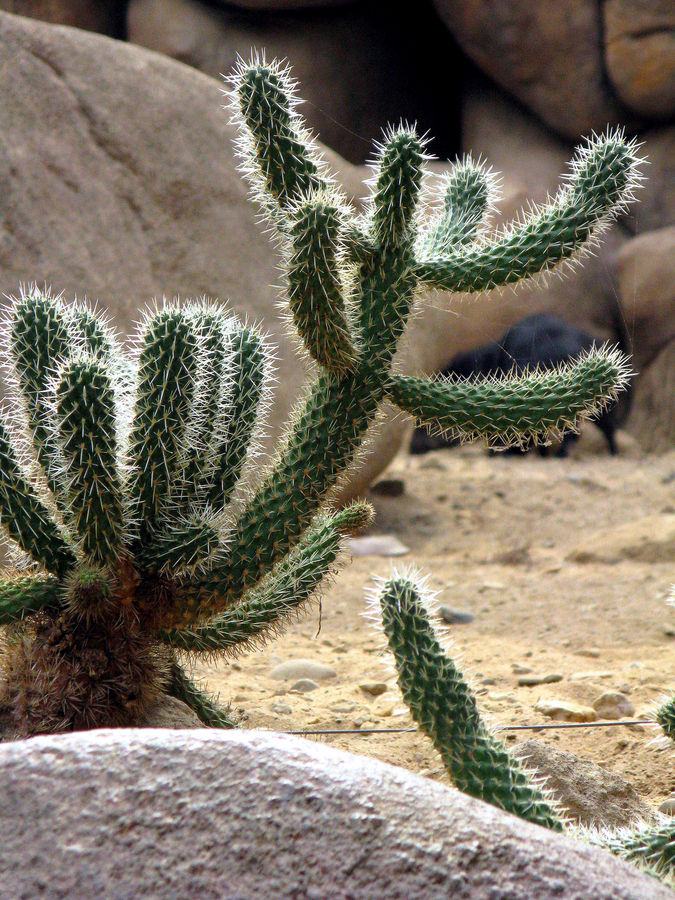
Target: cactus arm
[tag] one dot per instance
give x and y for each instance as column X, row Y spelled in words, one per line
column 248, row 370
column 207, row 710
column 652, row 846
column 445, row 709
column 468, row 197
column 603, row 177
column 26, row 519
column 165, row 393
column 39, row 340
column 314, row 283
column 182, row 544
column 281, row 595
column 282, row 164
column 87, row 434
column 533, row 405
column 22, row 595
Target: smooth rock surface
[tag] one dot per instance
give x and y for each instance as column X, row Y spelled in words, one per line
column 649, row 539
column 591, row 795
column 295, row 669
column 103, row 16
column 203, row 814
column 548, row 54
column 613, row 705
column 565, row 710
column 639, row 37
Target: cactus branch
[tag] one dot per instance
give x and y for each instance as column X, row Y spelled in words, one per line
column 445, row 709
column 514, row 409
column 207, row 710
column 22, row 595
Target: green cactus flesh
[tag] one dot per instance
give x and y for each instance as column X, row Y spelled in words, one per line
column 129, row 505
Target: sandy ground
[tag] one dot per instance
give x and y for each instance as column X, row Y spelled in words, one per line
column 565, row 564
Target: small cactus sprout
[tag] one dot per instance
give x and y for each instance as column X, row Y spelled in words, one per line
column 479, row 764
column 119, row 481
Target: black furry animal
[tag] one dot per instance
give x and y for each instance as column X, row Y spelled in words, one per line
column 541, row 341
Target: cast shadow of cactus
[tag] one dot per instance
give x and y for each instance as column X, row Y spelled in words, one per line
column 117, row 476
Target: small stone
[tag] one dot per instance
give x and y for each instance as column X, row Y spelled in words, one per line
column 388, row 487
column 433, row 463
column 668, row 806
column 565, row 711
column 491, row 586
column 533, row 680
column 591, row 652
column 590, row 676
column 376, row 545
column 519, row 669
column 384, row 709
column 613, row 705
column 303, row 685
column 488, row 681
column 669, row 630
column 236, row 666
column 281, row 708
column 342, row 706
column 455, row 616
column 295, row 669
column 374, row 688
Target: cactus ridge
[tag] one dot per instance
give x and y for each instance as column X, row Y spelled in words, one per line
column 127, row 507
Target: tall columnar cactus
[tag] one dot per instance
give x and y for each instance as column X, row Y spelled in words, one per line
column 126, row 506
column 443, row 705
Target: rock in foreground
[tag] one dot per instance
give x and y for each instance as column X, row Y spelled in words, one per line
column 147, row 813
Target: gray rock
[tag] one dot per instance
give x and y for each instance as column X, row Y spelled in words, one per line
column 613, row 705
column 455, row 616
column 533, row 680
column 374, row 688
column 304, row 685
column 653, row 418
column 294, row 669
column 169, row 712
column 376, row 545
column 389, row 487
column 668, row 806
column 203, row 814
column 656, row 208
column 591, row 795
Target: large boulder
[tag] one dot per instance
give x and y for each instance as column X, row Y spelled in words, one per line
column 548, row 54
column 104, row 16
column 359, row 69
column 145, row 813
column 656, row 207
column 640, row 52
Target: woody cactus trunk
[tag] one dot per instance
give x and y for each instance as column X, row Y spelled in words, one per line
column 139, row 562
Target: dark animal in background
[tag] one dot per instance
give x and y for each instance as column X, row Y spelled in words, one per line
column 541, row 341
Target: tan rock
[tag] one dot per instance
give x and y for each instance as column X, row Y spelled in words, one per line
column 546, row 53
column 645, row 268
column 565, row 710
column 640, row 53
column 653, row 418
column 649, row 539
column 613, row 705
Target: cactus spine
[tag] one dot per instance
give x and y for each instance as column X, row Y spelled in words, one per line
column 130, row 517
column 444, row 707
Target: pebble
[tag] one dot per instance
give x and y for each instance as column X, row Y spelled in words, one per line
column 303, row 685
column 384, row 709
column 582, row 676
column 342, row 706
column 295, row 669
column 433, row 463
column 565, row 711
column 519, row 669
column 389, row 487
column 669, row 630
column 613, row 705
column 281, row 708
column 668, row 806
column 455, row 616
column 591, row 652
column 533, row 680
column 376, row 545
column 374, row 688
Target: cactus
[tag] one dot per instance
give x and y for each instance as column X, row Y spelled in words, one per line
column 444, row 707
column 124, row 503
column 665, row 714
